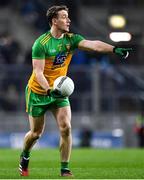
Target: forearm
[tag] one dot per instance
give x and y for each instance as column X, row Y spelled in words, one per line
column 98, row 46
column 42, row 81
column 103, row 47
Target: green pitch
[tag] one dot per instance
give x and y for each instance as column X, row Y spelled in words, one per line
column 85, row 164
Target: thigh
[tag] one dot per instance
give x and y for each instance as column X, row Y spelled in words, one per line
column 36, row 104
column 37, row 124
column 63, row 116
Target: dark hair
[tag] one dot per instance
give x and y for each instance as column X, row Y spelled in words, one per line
column 52, row 12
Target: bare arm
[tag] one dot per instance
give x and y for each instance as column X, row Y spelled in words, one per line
column 38, row 67
column 98, row 46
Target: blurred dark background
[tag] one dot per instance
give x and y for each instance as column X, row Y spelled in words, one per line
column 109, row 91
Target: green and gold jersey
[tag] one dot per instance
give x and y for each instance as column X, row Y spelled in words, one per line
column 57, row 54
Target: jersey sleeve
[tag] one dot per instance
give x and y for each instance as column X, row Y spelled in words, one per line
column 75, row 39
column 38, row 51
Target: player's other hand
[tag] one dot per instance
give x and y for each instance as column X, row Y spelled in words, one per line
column 122, row 52
column 54, row 93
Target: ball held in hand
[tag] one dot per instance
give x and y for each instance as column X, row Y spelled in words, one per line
column 64, row 85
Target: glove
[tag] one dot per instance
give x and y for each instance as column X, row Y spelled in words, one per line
column 54, row 93
column 122, row 52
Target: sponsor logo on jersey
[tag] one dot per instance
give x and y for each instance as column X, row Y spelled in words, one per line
column 59, row 59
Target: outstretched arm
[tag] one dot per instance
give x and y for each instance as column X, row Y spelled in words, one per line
column 98, row 46
column 103, row 47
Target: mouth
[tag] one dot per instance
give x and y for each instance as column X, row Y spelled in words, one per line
column 68, row 25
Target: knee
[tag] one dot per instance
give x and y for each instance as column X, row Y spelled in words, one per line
column 65, row 130
column 36, row 135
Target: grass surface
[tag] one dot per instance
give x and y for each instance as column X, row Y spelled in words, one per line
column 85, row 164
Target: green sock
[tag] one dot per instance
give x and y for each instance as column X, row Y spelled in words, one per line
column 26, row 154
column 64, row 165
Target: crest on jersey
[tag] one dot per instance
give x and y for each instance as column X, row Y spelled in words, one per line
column 68, row 47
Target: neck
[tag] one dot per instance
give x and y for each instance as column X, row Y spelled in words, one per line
column 56, row 33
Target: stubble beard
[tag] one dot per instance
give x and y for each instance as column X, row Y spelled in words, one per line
column 64, row 31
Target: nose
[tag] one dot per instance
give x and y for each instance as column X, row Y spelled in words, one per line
column 68, row 19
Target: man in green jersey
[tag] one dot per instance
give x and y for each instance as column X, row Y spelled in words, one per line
column 51, row 56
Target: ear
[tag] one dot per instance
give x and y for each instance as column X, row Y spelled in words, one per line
column 54, row 21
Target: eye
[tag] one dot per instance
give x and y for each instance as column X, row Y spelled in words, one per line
column 65, row 16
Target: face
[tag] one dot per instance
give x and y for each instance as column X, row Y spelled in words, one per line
column 62, row 22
